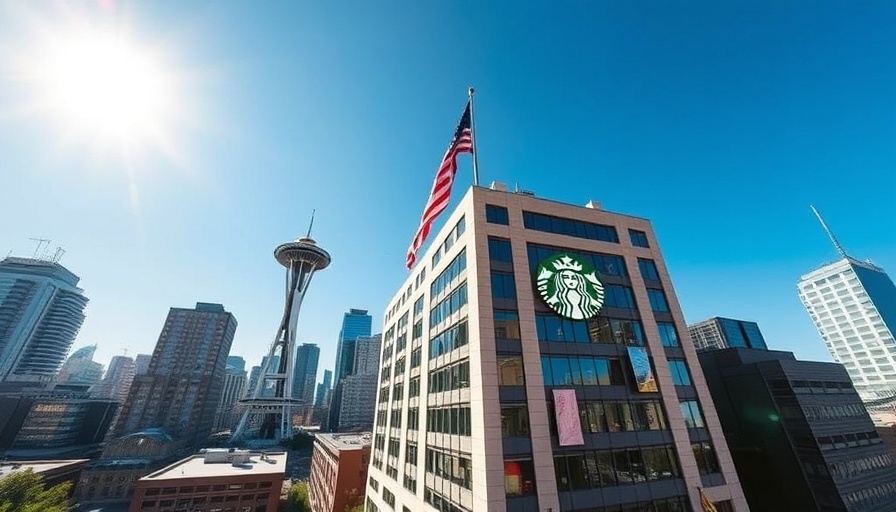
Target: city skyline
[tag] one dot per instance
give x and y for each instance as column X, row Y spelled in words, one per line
column 691, row 117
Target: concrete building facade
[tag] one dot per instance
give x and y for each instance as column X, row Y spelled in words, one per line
column 338, row 471
column 234, row 388
column 352, row 406
column 490, row 399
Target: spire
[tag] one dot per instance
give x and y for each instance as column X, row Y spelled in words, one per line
column 311, row 224
column 829, row 232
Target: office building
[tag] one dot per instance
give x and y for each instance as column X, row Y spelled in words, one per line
column 116, row 384
column 717, row 332
column 142, row 361
column 234, row 389
column 253, row 380
column 214, row 480
column 355, row 323
column 338, row 471
column 354, row 399
column 183, row 385
column 236, row 362
column 305, row 375
column 43, row 424
column 799, row 434
column 853, row 305
column 80, row 368
column 41, row 312
column 537, row 359
column 323, row 389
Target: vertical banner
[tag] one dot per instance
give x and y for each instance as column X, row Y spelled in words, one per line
column 569, row 424
column 641, row 368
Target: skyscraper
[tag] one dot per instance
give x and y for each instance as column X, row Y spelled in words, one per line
column 717, row 332
column 80, row 368
column 117, row 382
column 234, row 389
column 354, row 400
column 41, row 312
column 323, row 388
column 853, row 305
column 356, row 322
column 182, row 388
column 537, row 358
column 305, row 376
column 236, row 362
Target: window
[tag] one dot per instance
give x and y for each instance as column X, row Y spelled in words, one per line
column 510, row 371
column 690, row 409
column 657, row 300
column 605, row 264
column 582, row 370
column 507, row 325
column 668, row 334
column 706, row 458
column 618, row 296
column 618, row 416
column 414, row 387
column 499, row 250
column 450, row 339
column 503, row 285
column 514, row 421
column 551, row 327
column 455, row 468
column 496, row 214
column 449, row 420
column 519, row 477
column 418, row 307
column 569, row 227
column 639, row 238
column 415, row 357
column 648, row 269
column 594, row 469
column 615, row 331
column 443, row 280
column 389, row 498
column 680, row 374
column 453, row 377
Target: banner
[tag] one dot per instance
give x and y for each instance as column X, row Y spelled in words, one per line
column 569, row 424
column 641, row 367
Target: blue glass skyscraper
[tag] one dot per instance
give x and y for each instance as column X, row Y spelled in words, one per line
column 355, row 323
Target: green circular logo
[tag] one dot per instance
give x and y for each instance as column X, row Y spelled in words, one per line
column 569, row 286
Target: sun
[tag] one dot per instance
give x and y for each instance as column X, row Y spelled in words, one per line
column 103, row 86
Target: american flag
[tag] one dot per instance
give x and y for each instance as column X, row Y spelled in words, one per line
column 441, row 187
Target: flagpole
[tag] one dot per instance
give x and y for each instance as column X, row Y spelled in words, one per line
column 475, row 145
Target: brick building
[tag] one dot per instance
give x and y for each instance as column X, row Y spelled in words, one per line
column 338, row 471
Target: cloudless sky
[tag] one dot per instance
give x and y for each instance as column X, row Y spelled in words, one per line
column 719, row 121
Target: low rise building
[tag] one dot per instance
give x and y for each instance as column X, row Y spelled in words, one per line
column 214, row 479
column 53, row 472
column 338, row 471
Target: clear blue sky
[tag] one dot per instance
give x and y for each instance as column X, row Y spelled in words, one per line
column 720, row 122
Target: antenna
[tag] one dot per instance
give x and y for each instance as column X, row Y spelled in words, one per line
column 311, row 224
column 40, row 252
column 827, row 230
column 58, row 256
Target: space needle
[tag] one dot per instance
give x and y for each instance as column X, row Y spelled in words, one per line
column 267, row 412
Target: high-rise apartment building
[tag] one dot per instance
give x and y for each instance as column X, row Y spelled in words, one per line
column 118, row 379
column 80, row 368
column 234, row 389
column 305, row 376
column 320, row 397
column 355, row 323
column 853, row 305
column 41, row 312
column 800, row 437
column 537, row 359
column 717, row 332
column 183, row 386
column 236, row 362
column 354, row 399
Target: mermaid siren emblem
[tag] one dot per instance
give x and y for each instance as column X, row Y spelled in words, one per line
column 570, row 286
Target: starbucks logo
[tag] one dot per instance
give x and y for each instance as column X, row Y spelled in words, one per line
column 570, row 286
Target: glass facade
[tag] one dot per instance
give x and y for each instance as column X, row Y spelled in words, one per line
column 355, row 323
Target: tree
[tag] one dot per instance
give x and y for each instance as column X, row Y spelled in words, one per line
column 298, row 498
column 24, row 491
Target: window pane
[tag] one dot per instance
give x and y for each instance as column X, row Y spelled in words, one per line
column 602, row 367
column 546, row 371
column 507, row 325
column 560, row 369
column 562, row 473
column 515, row 421
column 510, row 371
column 589, row 373
column 499, row 250
column 578, row 472
column 605, row 465
column 496, row 214
column 623, row 466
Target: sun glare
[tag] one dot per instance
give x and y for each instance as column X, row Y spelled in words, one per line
column 103, row 85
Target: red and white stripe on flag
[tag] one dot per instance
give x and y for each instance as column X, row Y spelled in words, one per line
column 440, row 195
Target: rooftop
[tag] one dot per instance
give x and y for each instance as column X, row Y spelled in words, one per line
column 347, row 441
column 38, row 466
column 196, row 466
